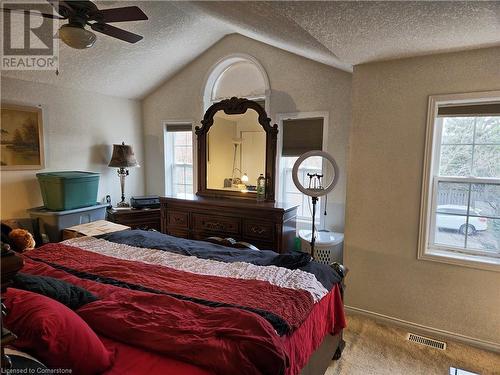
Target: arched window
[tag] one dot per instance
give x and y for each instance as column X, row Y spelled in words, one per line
column 237, row 75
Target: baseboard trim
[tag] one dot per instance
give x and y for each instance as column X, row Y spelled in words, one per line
column 433, row 332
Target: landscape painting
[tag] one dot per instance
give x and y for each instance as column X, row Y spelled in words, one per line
column 21, row 137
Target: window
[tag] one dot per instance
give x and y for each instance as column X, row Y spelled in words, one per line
column 462, row 189
column 239, row 75
column 290, row 192
column 179, row 159
column 299, row 135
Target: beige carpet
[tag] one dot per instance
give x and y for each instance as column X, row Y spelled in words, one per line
column 377, row 349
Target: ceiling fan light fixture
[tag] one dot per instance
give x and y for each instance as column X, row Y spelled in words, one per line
column 76, row 36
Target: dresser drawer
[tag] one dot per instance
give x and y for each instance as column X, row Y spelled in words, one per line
column 261, row 245
column 147, row 225
column 213, row 223
column 202, row 236
column 258, row 230
column 178, row 219
column 177, row 232
column 142, row 223
column 136, row 219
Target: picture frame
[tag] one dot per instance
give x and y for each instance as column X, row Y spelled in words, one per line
column 21, row 142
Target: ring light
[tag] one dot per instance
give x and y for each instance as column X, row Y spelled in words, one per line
column 310, row 191
column 316, row 190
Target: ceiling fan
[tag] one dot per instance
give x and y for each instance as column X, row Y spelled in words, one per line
column 81, row 13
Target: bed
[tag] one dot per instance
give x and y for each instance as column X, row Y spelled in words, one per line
column 166, row 305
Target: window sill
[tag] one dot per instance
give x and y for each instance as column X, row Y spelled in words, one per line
column 460, row 259
column 304, row 221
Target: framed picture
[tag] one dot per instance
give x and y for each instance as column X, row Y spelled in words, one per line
column 21, row 139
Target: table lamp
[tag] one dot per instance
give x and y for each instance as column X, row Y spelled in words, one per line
column 123, row 157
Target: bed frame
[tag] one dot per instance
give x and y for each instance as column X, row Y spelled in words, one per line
column 322, row 357
column 11, row 264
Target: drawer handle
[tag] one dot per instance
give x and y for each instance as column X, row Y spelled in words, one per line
column 258, row 230
column 178, row 219
column 214, row 225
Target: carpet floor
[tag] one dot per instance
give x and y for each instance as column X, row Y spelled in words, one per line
column 373, row 348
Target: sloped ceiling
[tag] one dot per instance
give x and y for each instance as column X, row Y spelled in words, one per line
column 340, row 34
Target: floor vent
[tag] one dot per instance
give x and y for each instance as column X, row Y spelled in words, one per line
column 426, row 341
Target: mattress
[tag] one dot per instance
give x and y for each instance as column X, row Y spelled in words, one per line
column 172, row 306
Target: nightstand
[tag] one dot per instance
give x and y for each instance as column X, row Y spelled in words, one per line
column 136, row 219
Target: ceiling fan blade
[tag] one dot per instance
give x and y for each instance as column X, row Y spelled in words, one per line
column 123, row 14
column 59, row 7
column 115, row 32
column 34, row 13
column 69, row 8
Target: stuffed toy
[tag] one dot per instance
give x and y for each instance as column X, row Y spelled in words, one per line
column 21, row 240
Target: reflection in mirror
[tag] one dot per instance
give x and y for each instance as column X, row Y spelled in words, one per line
column 236, row 152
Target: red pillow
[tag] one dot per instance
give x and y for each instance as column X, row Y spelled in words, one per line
column 54, row 334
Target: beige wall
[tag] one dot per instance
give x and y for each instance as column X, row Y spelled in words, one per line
column 297, row 85
column 383, row 200
column 79, row 129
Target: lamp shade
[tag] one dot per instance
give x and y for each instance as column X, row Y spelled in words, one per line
column 123, row 157
column 76, row 36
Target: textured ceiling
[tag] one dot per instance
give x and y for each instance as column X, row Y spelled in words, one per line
column 360, row 32
column 339, row 34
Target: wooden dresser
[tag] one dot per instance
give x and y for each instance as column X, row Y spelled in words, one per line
column 136, row 219
column 269, row 226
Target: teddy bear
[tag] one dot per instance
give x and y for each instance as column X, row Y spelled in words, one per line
column 21, row 240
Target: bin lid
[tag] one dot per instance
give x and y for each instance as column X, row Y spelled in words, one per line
column 322, row 238
column 46, row 212
column 70, row 175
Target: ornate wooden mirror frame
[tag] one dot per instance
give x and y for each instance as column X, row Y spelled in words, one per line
column 236, row 106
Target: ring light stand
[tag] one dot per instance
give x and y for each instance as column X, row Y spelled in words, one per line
column 315, row 188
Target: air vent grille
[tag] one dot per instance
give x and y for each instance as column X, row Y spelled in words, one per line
column 426, row 341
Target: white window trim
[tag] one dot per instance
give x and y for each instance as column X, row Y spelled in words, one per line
column 166, row 162
column 221, row 65
column 432, row 145
column 279, row 167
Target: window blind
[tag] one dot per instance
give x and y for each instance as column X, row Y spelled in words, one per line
column 302, row 135
column 179, row 128
column 470, row 110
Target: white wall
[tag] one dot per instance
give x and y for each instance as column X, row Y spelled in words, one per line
column 383, row 200
column 297, row 85
column 79, row 130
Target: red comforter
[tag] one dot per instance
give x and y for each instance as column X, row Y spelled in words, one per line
column 225, row 340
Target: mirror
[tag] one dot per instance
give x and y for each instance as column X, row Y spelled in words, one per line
column 236, row 152
column 236, row 146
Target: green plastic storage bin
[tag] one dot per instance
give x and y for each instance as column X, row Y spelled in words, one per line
column 68, row 190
